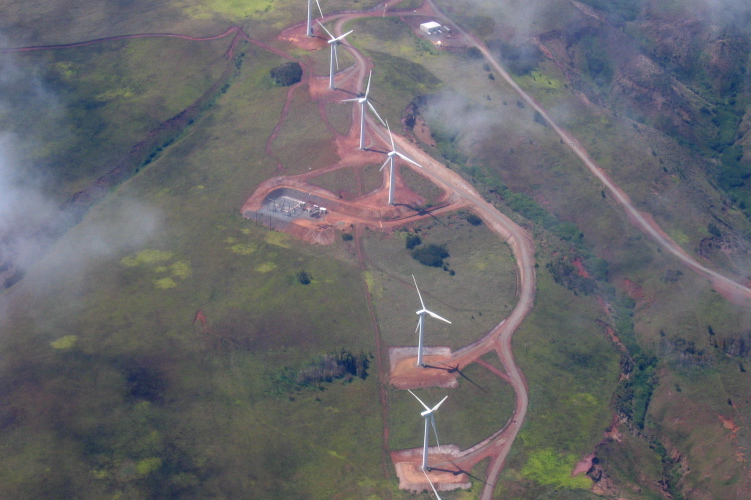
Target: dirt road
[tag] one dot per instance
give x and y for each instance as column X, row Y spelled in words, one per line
column 499, row 339
column 730, row 289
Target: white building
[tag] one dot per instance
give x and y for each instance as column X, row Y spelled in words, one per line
column 431, row 27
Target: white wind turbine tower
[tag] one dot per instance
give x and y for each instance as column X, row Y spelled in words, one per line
column 363, row 101
column 429, row 417
column 421, row 322
column 335, row 40
column 309, row 32
column 390, row 158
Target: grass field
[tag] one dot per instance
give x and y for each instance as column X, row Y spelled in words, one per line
column 340, row 117
column 476, row 257
column 572, row 370
column 303, row 142
column 342, row 182
column 142, row 402
column 105, row 98
column 420, row 185
column 153, row 351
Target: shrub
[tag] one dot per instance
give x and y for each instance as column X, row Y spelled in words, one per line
column 430, row 255
column 303, row 277
column 474, row 53
column 347, row 236
column 473, row 219
column 412, row 241
column 287, row 74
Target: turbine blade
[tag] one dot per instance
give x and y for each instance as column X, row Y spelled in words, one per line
column 434, row 315
column 351, row 100
column 431, row 485
column 439, row 404
column 341, row 37
column 319, row 9
column 376, row 112
column 384, row 164
column 393, row 148
column 418, row 326
column 418, row 293
column 408, row 159
column 367, row 89
column 432, row 422
column 327, row 31
column 336, row 57
column 420, row 400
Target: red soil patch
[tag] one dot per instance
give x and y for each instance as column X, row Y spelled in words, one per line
column 633, row 290
column 612, row 336
column 412, row 478
column 201, row 317
column 580, row 268
column 296, row 36
column 371, row 210
column 584, row 465
column 405, row 374
column 729, row 424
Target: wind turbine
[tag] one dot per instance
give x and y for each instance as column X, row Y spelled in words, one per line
column 390, row 159
column 363, row 100
column 429, row 417
column 335, row 40
column 421, row 322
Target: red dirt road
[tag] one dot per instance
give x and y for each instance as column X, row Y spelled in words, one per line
column 730, row 289
column 459, row 194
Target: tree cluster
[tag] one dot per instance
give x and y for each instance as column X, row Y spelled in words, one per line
column 287, row 74
column 430, row 255
column 332, row 366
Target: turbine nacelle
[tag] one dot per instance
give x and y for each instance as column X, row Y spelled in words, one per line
column 429, row 411
column 395, row 152
column 340, row 37
column 432, row 315
column 334, row 39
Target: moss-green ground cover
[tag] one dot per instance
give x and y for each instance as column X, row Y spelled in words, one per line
column 109, row 377
column 112, row 385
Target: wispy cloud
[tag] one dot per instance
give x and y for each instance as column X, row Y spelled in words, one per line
column 33, row 125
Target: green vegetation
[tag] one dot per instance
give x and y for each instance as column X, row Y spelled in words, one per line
column 546, row 467
column 164, row 391
column 322, row 370
column 430, row 255
column 412, row 240
column 303, row 277
column 110, row 96
column 478, row 258
column 473, row 219
column 520, row 59
column 154, row 369
column 287, row 74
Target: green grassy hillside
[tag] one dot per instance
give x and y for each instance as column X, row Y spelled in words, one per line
column 163, row 346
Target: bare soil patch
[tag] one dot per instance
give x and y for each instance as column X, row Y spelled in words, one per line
column 412, row 478
column 405, row 374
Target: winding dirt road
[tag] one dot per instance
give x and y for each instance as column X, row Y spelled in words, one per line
column 461, row 193
column 729, row 288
